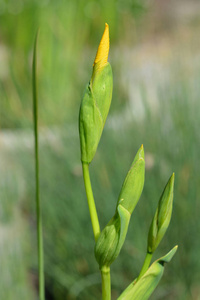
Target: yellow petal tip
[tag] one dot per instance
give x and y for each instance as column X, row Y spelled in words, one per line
column 103, row 49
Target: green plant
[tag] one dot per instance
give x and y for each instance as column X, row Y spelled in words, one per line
column 37, row 186
column 108, row 242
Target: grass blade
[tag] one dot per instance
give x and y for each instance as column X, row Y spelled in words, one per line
column 37, row 187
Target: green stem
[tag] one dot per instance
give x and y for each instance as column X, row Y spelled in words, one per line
column 91, row 203
column 37, row 191
column 106, row 285
column 145, row 264
column 105, row 271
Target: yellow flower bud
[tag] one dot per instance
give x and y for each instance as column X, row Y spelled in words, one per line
column 103, row 50
column 96, row 101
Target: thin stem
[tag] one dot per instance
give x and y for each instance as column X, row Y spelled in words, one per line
column 105, row 271
column 106, row 284
column 145, row 264
column 91, row 203
column 37, row 188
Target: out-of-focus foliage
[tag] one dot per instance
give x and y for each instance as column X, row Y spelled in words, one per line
column 69, row 30
column 14, row 235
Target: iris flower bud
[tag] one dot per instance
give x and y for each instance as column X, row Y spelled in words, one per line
column 96, row 101
column 133, row 183
column 162, row 217
column 113, row 235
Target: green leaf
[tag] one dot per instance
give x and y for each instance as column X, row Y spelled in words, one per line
column 144, row 287
column 37, row 186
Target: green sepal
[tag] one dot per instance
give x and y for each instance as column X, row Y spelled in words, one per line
column 112, row 238
column 133, row 184
column 162, row 217
column 144, row 287
column 94, row 110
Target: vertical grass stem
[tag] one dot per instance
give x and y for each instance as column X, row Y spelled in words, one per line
column 37, row 188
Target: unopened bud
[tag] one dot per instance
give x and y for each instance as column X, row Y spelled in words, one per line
column 133, row 183
column 112, row 238
column 96, row 101
column 113, row 235
column 162, row 217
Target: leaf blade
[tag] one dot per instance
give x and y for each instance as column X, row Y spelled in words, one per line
column 144, row 287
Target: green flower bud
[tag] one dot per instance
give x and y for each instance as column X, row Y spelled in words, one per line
column 144, row 287
column 96, row 101
column 134, row 182
column 162, row 217
column 113, row 235
column 112, row 238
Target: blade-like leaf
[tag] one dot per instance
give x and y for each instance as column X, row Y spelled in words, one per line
column 37, row 186
column 144, row 287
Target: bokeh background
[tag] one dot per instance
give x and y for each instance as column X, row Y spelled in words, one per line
column 155, row 56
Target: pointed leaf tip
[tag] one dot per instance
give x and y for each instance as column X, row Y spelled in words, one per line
column 139, row 154
column 144, row 287
column 167, row 258
column 141, row 151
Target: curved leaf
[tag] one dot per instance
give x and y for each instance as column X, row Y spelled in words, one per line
column 144, row 287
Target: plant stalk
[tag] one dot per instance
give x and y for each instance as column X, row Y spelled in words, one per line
column 37, row 191
column 106, row 284
column 90, row 199
column 145, row 264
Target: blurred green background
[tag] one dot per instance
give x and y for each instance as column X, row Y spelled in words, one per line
column 155, row 56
